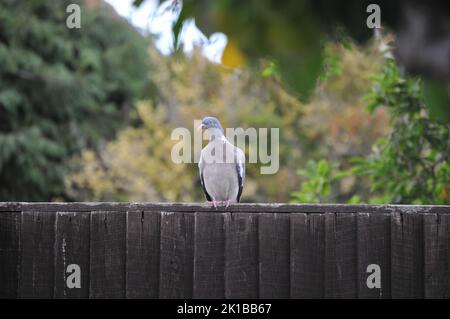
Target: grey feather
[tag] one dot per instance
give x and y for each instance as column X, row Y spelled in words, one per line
column 222, row 170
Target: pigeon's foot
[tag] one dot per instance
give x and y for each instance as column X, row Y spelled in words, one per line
column 229, row 202
column 215, row 203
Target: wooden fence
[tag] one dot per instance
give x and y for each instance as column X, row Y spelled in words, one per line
column 247, row 251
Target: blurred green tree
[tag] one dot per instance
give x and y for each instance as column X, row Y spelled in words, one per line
column 291, row 32
column 61, row 89
column 411, row 165
column 316, row 183
column 137, row 166
column 337, row 123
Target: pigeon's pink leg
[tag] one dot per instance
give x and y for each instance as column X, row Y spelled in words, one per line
column 212, row 203
column 230, row 201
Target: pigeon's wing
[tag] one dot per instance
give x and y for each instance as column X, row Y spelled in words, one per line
column 202, row 181
column 240, row 169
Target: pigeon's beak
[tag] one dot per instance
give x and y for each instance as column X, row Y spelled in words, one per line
column 200, row 127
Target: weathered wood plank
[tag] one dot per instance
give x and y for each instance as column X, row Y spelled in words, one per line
column 9, row 254
column 177, row 255
column 107, row 255
column 241, row 255
column 235, row 208
column 374, row 242
column 407, row 260
column 209, row 259
column 143, row 243
column 37, row 262
column 340, row 256
column 437, row 255
column 274, row 255
column 72, row 247
column 307, row 255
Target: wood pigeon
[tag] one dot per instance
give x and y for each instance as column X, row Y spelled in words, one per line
column 221, row 166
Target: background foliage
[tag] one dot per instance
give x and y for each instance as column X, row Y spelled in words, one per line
column 408, row 165
column 411, row 164
column 61, row 90
column 87, row 114
column 190, row 87
column 292, row 33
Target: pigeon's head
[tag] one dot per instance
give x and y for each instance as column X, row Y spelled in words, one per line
column 212, row 124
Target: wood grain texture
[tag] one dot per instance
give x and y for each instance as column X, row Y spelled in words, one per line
column 437, row 255
column 307, row 255
column 241, row 255
column 340, row 256
column 374, row 232
column 274, row 255
column 9, row 254
column 177, row 255
column 407, row 259
column 209, row 256
column 143, row 243
column 38, row 261
column 234, row 208
column 72, row 246
column 247, row 251
column 107, row 255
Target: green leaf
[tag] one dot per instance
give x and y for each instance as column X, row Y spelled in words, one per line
column 323, row 168
column 437, row 98
column 271, row 70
